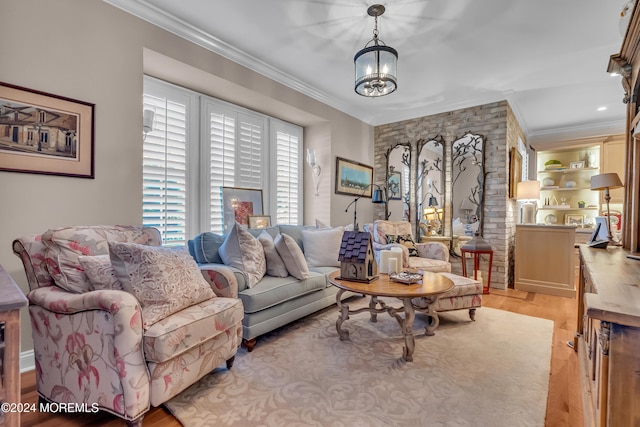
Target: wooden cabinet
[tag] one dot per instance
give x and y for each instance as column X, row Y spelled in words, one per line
column 613, row 161
column 608, row 337
column 544, row 259
column 11, row 300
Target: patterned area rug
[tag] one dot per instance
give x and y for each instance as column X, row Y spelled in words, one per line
column 491, row 372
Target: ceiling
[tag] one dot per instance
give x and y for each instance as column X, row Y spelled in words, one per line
column 548, row 58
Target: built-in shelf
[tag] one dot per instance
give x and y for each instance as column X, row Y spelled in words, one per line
column 568, row 170
column 568, row 208
column 563, row 189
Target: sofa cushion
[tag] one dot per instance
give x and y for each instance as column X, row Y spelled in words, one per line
column 295, row 231
column 205, row 248
column 272, row 231
column 100, row 272
column 163, row 280
column 462, row 286
column 322, row 246
column 188, row 328
column 275, row 264
column 428, row 264
column 65, row 245
column 244, row 252
column 292, row 256
column 275, row 290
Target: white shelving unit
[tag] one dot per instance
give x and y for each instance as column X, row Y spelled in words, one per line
column 563, row 187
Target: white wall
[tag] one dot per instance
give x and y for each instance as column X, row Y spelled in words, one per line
column 91, row 51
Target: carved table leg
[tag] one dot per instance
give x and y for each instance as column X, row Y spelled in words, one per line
column 372, row 308
column 407, row 330
column 344, row 315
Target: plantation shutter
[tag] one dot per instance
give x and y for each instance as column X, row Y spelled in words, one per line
column 222, row 131
column 164, row 180
column 250, row 142
column 288, row 179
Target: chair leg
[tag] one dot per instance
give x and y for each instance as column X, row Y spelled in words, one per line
column 472, row 314
column 135, row 423
column 230, row 362
column 249, row 344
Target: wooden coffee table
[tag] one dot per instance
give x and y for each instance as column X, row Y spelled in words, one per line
column 433, row 285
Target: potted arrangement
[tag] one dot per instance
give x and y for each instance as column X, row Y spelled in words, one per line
column 581, row 204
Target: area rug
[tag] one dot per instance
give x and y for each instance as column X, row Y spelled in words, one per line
column 491, row 372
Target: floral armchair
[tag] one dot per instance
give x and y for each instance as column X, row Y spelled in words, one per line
column 120, row 321
column 430, row 256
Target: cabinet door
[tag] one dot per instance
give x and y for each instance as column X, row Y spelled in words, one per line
column 613, row 161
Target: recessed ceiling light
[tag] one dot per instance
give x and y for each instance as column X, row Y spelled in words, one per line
column 602, row 108
column 614, row 74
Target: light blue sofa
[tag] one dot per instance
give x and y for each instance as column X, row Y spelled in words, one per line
column 274, row 301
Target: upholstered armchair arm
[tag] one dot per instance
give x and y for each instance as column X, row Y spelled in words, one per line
column 94, row 341
column 221, row 278
column 433, row 250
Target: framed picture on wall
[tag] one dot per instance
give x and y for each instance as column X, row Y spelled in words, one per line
column 238, row 204
column 44, row 133
column 259, row 221
column 353, row 178
column 515, row 171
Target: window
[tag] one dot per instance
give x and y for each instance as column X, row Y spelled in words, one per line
column 198, row 145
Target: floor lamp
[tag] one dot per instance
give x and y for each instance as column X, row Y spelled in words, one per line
column 528, row 192
column 605, row 181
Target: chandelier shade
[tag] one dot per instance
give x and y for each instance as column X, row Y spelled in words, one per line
column 376, row 65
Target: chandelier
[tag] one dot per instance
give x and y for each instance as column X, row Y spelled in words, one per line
column 376, row 64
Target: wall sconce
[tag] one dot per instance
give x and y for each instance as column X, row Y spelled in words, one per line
column 147, row 122
column 529, row 193
column 315, row 168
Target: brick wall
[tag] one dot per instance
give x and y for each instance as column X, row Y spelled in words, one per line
column 497, row 123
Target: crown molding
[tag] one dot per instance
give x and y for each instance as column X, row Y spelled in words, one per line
column 149, row 13
column 543, row 139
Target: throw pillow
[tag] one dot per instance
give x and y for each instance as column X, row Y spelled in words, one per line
column 405, row 240
column 244, row 252
column 322, row 247
column 275, row 264
column 205, row 248
column 322, row 225
column 292, row 256
column 164, row 280
column 100, row 272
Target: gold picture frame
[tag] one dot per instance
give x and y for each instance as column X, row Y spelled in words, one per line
column 353, row 178
column 47, row 134
column 259, row 221
column 515, row 171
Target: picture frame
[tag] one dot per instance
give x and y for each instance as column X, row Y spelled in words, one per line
column 576, row 165
column 515, row 171
column 394, row 186
column 353, row 178
column 574, row 219
column 259, row 221
column 238, row 204
column 43, row 133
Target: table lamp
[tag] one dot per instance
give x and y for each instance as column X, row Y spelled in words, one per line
column 528, row 192
column 605, row 181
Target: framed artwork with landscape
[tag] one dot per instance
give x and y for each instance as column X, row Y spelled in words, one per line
column 353, row 178
column 44, row 133
column 239, row 204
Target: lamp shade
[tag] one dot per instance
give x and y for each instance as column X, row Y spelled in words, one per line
column 528, row 190
column 467, row 205
column 378, row 196
column 605, row 180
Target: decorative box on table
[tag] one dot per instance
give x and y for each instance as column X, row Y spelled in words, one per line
column 357, row 261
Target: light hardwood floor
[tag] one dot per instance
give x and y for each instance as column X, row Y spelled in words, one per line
column 564, row 405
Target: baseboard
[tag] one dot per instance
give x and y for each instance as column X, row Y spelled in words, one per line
column 27, row 361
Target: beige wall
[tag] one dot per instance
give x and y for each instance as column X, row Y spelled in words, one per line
column 91, row 51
